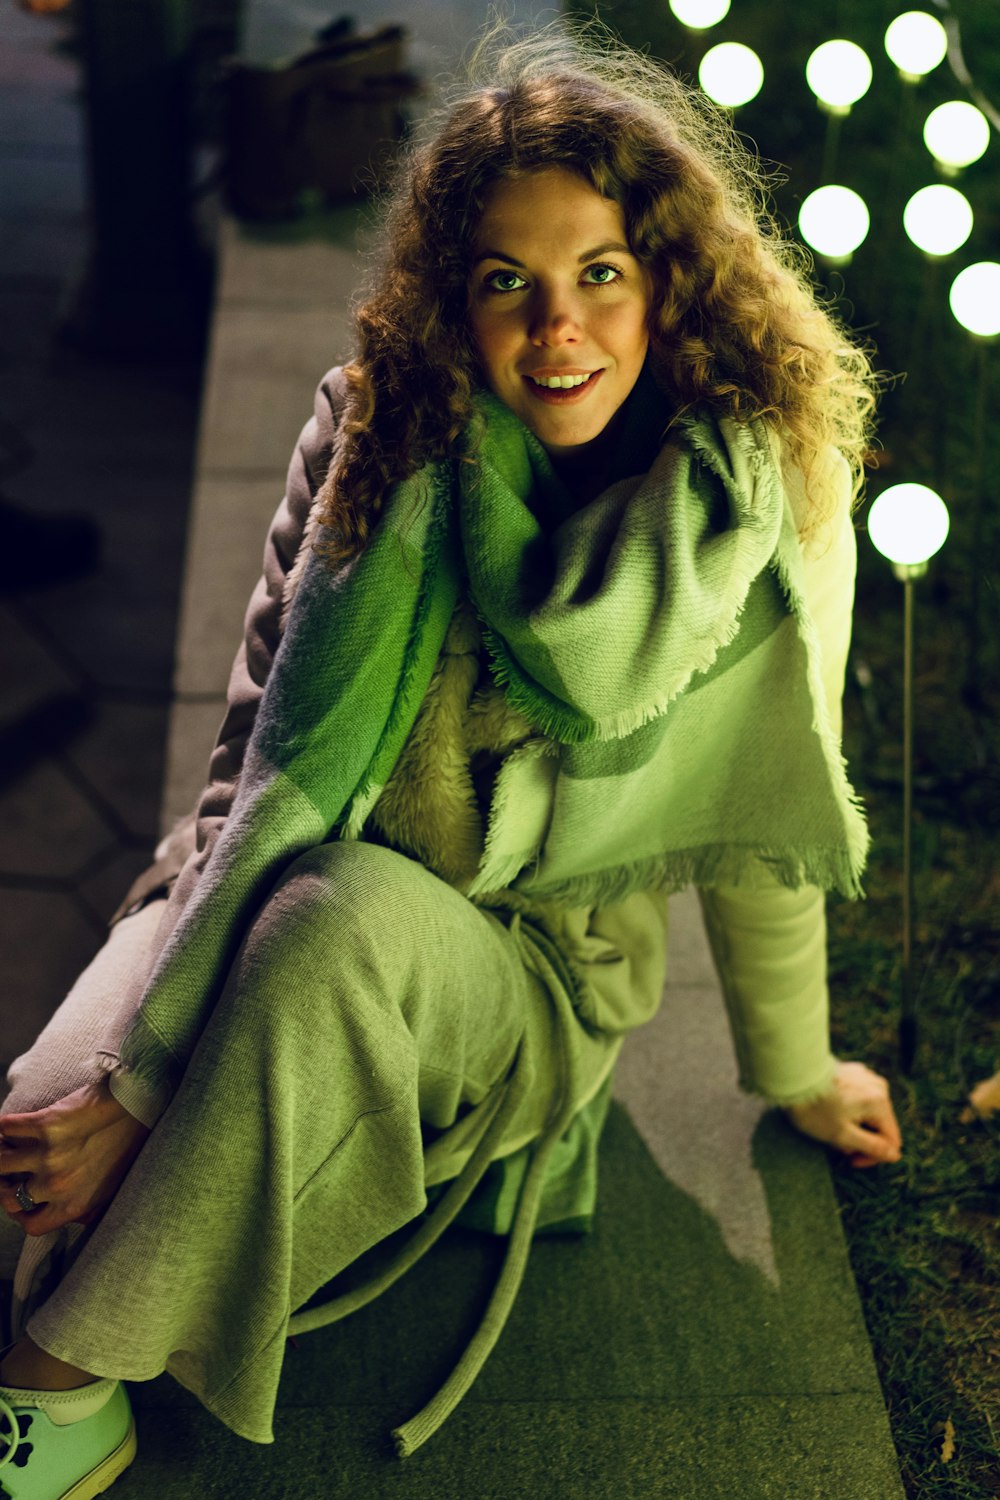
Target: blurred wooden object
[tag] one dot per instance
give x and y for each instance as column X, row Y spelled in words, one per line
column 326, row 121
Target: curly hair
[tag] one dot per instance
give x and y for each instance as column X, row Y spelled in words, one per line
column 734, row 321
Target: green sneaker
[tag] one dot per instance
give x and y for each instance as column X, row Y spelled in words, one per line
column 64, row 1445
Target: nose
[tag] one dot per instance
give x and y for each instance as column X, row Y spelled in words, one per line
column 553, row 322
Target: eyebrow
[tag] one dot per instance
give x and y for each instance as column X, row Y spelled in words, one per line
column 587, row 254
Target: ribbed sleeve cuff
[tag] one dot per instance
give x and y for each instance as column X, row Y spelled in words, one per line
column 143, row 1100
column 805, row 1095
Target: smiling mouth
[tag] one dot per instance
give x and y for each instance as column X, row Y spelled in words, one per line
column 561, row 382
column 562, row 390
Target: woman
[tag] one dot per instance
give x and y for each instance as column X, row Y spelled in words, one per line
column 562, row 587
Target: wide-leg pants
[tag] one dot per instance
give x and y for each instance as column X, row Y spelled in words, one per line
column 370, row 1008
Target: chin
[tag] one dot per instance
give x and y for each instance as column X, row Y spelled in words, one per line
column 561, row 438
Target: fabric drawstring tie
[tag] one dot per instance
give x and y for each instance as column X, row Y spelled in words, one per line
column 414, row 1433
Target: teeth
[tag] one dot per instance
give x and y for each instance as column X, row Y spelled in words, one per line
column 560, row 382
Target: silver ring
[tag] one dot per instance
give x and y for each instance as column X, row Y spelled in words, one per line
column 23, row 1197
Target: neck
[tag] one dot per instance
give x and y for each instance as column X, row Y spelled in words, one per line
column 584, row 470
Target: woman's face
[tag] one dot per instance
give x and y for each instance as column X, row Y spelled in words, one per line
column 556, row 294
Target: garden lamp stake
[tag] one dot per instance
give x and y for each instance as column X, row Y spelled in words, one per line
column 973, row 687
column 908, row 524
column 906, row 573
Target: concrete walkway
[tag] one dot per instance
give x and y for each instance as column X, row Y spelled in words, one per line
column 759, row 1380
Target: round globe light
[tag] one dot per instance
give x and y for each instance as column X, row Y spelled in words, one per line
column 700, row 14
column 975, row 299
column 834, row 220
column 956, row 134
column 839, row 74
column 908, row 523
column 938, row 219
column 916, row 42
column 731, row 74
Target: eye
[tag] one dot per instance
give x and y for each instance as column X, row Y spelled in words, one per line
column 603, row 274
column 504, row 281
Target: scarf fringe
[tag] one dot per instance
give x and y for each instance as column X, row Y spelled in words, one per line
column 500, row 873
column 720, row 864
column 559, row 722
column 852, row 805
column 496, row 872
column 149, row 1055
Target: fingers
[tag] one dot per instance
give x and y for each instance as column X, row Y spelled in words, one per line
column 18, row 1160
column 871, row 1136
column 14, row 1209
column 869, row 1148
column 27, row 1126
column 45, row 1215
column 41, row 1220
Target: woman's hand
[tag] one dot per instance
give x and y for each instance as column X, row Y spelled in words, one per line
column 856, row 1116
column 72, row 1157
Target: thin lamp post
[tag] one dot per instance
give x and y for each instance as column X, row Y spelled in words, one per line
column 839, row 74
column 908, row 524
column 974, row 299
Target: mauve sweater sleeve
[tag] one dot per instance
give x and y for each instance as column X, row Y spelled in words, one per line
column 182, row 856
column 769, row 945
column 263, row 621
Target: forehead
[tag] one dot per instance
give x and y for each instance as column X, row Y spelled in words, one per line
column 553, row 205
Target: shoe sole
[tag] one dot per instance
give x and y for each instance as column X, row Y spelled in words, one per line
column 101, row 1478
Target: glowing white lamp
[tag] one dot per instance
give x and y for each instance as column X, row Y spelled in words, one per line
column 956, row 135
column 839, row 74
column 938, row 219
column 908, row 523
column 731, row 74
column 700, row 14
column 916, row 42
column 834, row 220
column 975, row 299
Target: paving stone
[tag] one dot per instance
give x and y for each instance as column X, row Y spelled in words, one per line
column 28, row 673
column 125, row 455
column 677, row 1080
column 123, row 647
column 123, row 756
column 104, row 891
column 118, row 429
column 45, row 940
column 689, row 958
column 48, row 827
column 265, row 365
column 116, row 626
column 285, row 264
